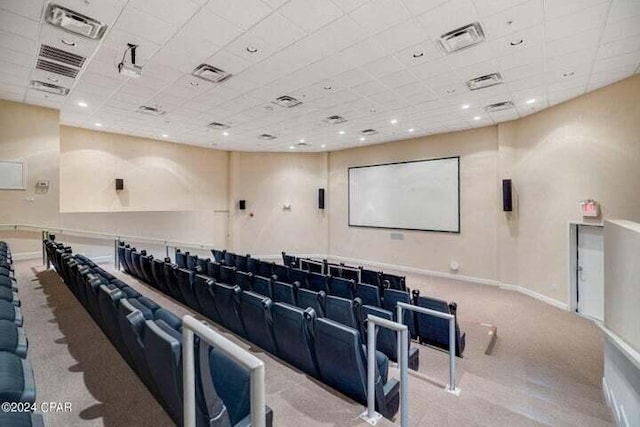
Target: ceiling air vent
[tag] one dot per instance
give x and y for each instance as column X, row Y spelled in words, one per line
column 462, row 37
column 53, row 67
column 151, row 110
column 484, row 81
column 60, row 55
column 218, row 126
column 369, row 132
column 48, row 88
column 500, row 106
column 287, row 102
column 335, row 120
column 267, row 137
column 74, row 22
column 210, row 73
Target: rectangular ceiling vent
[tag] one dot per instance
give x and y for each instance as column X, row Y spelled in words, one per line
column 369, row 132
column 210, row 73
column 335, row 120
column 267, row 137
column 462, row 37
column 74, row 22
column 287, row 101
column 500, row 106
column 484, row 81
column 48, row 88
column 60, row 55
column 151, row 110
column 56, row 68
column 218, row 126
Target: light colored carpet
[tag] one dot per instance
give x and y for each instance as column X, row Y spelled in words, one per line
column 545, row 368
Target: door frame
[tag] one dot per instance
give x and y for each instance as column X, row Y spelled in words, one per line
column 572, row 265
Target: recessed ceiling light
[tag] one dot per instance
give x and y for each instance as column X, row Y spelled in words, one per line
column 302, row 140
column 268, row 108
column 291, row 147
column 476, row 118
column 341, row 132
column 99, row 125
column 516, row 43
column 68, row 42
column 411, row 130
column 372, row 110
column 394, row 121
column 323, row 145
column 465, row 106
column 569, row 74
column 362, row 138
column 194, row 84
column 450, row 91
column 530, row 101
column 164, row 135
column 327, row 87
column 252, row 49
column 82, row 104
column 225, row 133
column 418, row 55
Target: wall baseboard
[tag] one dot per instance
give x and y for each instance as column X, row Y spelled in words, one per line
column 533, row 294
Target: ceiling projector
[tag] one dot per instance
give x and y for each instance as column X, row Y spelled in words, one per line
column 130, row 69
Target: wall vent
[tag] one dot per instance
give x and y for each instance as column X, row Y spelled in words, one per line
column 484, row 81
column 151, row 110
column 210, row 73
column 218, row 126
column 74, row 22
column 60, row 55
column 48, row 88
column 267, row 137
column 334, row 120
column 369, row 132
column 499, row 106
column 53, row 67
column 287, row 102
column 462, row 37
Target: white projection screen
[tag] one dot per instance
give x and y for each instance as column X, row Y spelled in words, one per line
column 417, row 195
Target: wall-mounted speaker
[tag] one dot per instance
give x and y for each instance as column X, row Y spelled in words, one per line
column 321, row 198
column 119, row 184
column 242, row 205
column 507, row 195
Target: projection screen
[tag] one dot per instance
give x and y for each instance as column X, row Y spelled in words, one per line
column 417, row 195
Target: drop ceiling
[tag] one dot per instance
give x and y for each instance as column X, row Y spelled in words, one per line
column 375, row 63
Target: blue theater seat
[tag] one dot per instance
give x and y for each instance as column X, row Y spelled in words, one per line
column 229, row 259
column 343, row 310
column 135, row 264
column 311, row 299
column 218, row 255
column 293, row 331
column 255, row 310
column 10, row 312
column 349, row 273
column 171, row 281
column 145, row 268
column 284, row 292
column 228, row 275
column 281, row 272
column 342, row 363
column 157, row 271
column 394, row 281
column 181, row 258
column 391, row 298
column 265, row 269
column 318, row 282
column 435, row 331
column 191, row 261
column 203, row 288
column 300, row 276
column 185, row 278
column 227, row 301
column 244, row 280
column 202, row 265
column 290, row 261
column 12, row 338
column 370, row 277
column 108, row 299
column 9, row 295
column 121, row 256
column 241, row 262
column 344, row 288
column 16, row 379
column 7, row 282
column 253, row 265
column 386, row 339
column 311, row 266
column 263, row 286
column 369, row 294
column 213, row 270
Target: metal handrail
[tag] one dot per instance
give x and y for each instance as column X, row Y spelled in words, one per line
column 401, row 306
column 370, row 415
column 192, row 326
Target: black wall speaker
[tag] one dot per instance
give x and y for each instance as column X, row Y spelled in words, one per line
column 321, row 198
column 119, row 184
column 242, row 204
column 507, row 195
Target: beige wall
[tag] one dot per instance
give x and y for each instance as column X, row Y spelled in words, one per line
column 158, row 175
column 267, row 181
column 587, row 148
column 474, row 248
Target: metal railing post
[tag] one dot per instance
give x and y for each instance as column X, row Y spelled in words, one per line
column 371, row 370
column 399, row 319
column 189, row 378
column 44, row 250
column 116, row 256
column 403, row 360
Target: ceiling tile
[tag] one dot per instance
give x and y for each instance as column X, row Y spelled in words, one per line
column 31, row 9
column 19, row 25
column 310, row 14
column 518, row 18
column 173, row 12
column 140, row 23
column 447, row 17
column 378, row 15
column 242, row 13
column 591, row 18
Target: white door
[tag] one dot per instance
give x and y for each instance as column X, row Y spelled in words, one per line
column 590, row 274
